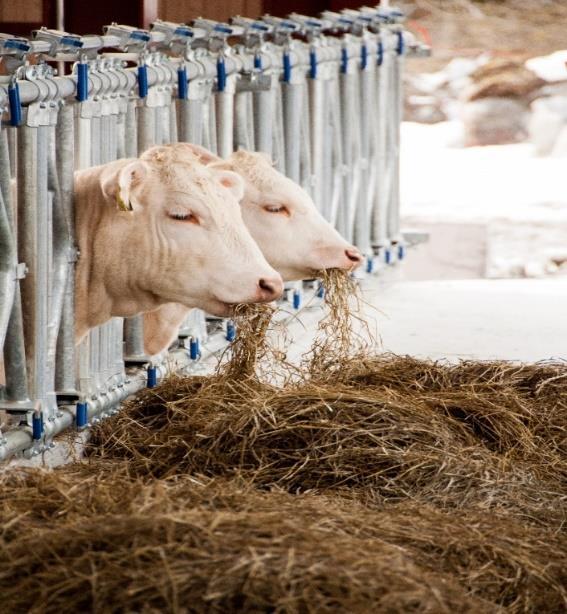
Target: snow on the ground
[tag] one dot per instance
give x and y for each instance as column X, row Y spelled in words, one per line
column 519, row 197
column 550, row 67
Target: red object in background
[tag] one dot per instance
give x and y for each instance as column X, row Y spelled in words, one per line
column 90, row 17
column 281, row 8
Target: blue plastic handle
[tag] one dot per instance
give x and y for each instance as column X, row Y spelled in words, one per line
column 82, row 81
column 344, row 61
column 194, row 351
column 380, row 53
column 221, row 75
column 142, row 81
column 182, row 83
column 82, row 415
column 152, row 377
column 15, row 105
column 363, row 57
column 313, row 64
column 286, row 67
column 37, row 426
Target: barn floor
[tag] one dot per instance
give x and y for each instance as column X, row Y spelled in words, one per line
column 517, row 319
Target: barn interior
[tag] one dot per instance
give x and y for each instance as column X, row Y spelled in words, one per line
column 386, row 436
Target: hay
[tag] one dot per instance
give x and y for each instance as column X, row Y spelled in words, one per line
column 369, row 484
column 100, row 541
column 475, row 449
column 251, row 345
column 337, row 338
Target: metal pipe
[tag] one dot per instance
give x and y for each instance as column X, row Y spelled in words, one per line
column 318, row 129
column 292, row 109
column 263, row 104
column 61, row 246
column 396, row 117
column 243, row 127
column 224, row 113
column 33, row 250
column 8, row 256
column 65, row 357
column 14, row 347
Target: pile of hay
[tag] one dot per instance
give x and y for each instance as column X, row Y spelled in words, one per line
column 486, row 434
column 370, row 484
column 76, row 540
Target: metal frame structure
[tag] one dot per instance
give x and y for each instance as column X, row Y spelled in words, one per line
column 322, row 96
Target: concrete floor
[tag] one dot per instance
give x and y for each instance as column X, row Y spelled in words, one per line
column 519, row 320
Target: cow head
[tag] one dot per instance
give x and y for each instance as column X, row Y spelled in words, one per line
column 293, row 236
column 184, row 216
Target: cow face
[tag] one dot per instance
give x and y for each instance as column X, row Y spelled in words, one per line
column 185, row 217
column 281, row 217
column 292, row 234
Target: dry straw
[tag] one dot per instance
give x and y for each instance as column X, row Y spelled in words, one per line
column 370, row 484
column 84, row 541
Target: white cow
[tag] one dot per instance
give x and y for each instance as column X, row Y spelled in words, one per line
column 141, row 225
column 293, row 236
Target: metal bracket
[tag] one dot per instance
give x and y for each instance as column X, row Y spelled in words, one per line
column 21, row 270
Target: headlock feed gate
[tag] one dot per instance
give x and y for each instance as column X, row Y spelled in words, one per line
column 321, row 96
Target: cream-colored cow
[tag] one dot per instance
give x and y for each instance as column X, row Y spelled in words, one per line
column 164, row 229
column 281, row 217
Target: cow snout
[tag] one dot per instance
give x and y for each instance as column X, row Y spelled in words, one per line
column 270, row 288
column 354, row 256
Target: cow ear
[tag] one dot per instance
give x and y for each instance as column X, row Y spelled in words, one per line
column 232, row 181
column 205, row 156
column 118, row 181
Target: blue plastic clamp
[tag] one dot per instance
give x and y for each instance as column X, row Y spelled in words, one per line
column 313, row 64
column 182, row 83
column 296, row 299
column 230, row 331
column 363, row 57
column 401, row 44
column 82, row 415
column 286, row 67
column 221, row 74
column 82, row 81
column 344, row 60
column 194, row 351
column 152, row 377
column 380, row 53
column 15, row 104
column 142, row 81
column 37, row 425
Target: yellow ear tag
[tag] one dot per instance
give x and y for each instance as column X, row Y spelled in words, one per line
column 122, row 205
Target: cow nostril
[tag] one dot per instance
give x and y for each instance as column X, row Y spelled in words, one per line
column 270, row 287
column 353, row 255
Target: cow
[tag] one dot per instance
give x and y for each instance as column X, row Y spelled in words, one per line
column 164, row 229
column 282, row 218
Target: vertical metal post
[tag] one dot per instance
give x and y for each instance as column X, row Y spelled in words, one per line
column 33, row 250
column 292, row 105
column 396, row 118
column 8, row 258
column 243, row 127
column 263, row 120
column 65, row 363
column 224, row 113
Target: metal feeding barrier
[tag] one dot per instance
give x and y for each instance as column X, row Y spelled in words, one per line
column 321, row 96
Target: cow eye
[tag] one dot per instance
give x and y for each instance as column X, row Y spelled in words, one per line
column 276, row 209
column 184, row 217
